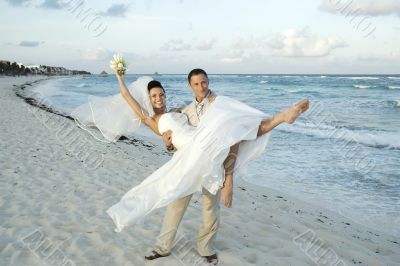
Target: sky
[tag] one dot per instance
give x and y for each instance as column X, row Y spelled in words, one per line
column 221, row 36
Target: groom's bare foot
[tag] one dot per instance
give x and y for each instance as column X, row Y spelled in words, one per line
column 291, row 114
column 226, row 194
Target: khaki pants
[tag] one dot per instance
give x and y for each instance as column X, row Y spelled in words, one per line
column 173, row 217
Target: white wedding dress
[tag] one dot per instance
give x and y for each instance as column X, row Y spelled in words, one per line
column 198, row 161
column 111, row 115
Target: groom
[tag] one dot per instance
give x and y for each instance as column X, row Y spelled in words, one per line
column 198, row 82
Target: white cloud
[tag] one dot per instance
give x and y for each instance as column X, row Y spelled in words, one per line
column 303, row 43
column 94, row 54
column 234, row 56
column 383, row 57
column 176, row 45
column 51, row 4
column 361, row 7
column 116, row 10
column 247, row 42
column 232, row 60
column 30, row 43
column 394, row 55
column 206, row 45
column 18, row 2
column 241, row 49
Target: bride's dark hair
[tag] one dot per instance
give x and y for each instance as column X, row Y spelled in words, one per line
column 154, row 84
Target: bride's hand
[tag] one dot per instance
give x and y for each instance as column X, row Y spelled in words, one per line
column 211, row 98
column 119, row 73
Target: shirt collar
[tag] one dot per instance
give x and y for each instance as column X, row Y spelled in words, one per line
column 208, row 94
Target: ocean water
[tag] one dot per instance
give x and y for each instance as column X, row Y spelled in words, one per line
column 343, row 154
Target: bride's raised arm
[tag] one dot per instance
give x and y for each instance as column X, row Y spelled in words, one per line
column 135, row 106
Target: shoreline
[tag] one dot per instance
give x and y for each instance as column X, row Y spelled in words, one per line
column 20, row 92
column 265, row 227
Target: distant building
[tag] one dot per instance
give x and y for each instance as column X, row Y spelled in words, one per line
column 7, row 68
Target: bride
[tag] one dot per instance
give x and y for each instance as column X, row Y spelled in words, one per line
column 201, row 151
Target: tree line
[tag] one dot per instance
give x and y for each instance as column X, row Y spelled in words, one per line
column 15, row 69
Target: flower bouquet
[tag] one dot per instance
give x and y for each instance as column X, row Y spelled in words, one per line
column 119, row 64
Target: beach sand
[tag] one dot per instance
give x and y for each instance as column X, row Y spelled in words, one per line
column 57, row 182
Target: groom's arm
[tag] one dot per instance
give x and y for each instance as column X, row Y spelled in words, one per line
column 230, row 161
column 229, row 165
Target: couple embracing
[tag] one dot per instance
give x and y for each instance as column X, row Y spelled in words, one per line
column 212, row 140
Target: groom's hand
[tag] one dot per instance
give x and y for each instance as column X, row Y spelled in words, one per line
column 227, row 191
column 167, row 138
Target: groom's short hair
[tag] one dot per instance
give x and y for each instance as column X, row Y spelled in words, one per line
column 196, row 71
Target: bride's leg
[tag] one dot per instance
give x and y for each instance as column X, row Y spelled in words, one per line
column 289, row 116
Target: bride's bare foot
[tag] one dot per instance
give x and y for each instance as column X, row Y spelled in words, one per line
column 226, row 194
column 291, row 114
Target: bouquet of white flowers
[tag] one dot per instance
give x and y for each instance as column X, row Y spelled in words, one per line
column 119, row 64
